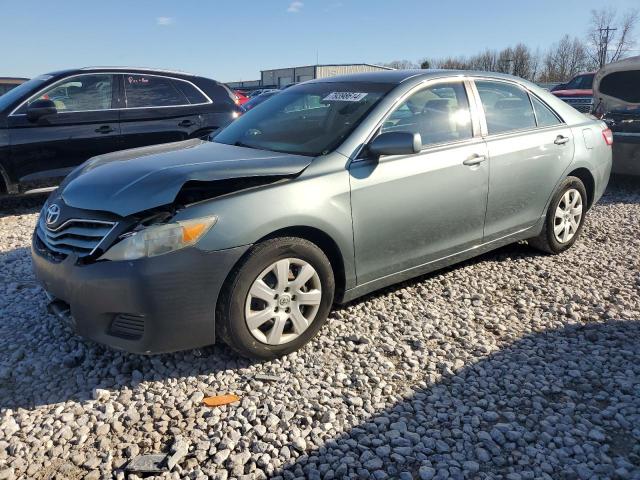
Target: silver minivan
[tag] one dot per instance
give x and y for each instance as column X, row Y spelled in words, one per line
column 325, row 192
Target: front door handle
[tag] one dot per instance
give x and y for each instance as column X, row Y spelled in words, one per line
column 475, row 159
column 104, row 129
column 186, row 123
column 560, row 140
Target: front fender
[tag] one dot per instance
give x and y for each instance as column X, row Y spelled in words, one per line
column 318, row 200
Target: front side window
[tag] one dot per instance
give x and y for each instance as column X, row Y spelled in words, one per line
column 440, row 114
column 544, row 116
column 311, row 119
column 79, row 94
column 150, row 91
column 506, row 107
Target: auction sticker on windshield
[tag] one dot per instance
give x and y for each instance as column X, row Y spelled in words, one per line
column 345, row 96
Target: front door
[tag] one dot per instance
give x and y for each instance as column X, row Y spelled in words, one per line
column 529, row 149
column 411, row 210
column 42, row 152
column 156, row 110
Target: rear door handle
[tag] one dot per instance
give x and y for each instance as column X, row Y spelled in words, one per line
column 474, row 159
column 186, row 123
column 560, row 140
column 104, row 129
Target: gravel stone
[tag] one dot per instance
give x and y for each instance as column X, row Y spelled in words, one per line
column 515, row 365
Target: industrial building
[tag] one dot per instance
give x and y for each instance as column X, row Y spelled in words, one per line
column 281, row 77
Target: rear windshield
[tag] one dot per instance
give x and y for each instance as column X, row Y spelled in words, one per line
column 311, row 119
column 622, row 85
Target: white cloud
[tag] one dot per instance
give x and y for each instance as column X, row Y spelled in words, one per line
column 164, row 21
column 295, row 6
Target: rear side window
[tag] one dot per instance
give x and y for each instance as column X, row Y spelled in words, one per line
column 194, row 95
column 440, row 114
column 151, row 91
column 544, row 116
column 507, row 107
column 622, row 85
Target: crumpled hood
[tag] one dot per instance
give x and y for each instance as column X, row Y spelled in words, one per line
column 131, row 181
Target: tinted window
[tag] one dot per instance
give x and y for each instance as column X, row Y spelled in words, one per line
column 79, row 93
column 622, row 85
column 23, row 90
column 151, row 91
column 310, row 119
column 192, row 93
column 506, row 107
column 439, row 114
column 581, row 82
column 544, row 115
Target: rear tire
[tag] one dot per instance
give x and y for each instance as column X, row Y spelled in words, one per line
column 563, row 224
column 276, row 299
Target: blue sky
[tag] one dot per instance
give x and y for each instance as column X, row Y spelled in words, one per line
column 232, row 40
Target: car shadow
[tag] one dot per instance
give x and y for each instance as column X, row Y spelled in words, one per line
column 21, row 205
column 555, row 404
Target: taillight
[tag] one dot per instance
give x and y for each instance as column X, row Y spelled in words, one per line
column 607, row 134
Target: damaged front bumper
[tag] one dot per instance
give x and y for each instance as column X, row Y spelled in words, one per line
column 150, row 305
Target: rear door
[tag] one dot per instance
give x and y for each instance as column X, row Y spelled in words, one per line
column 160, row 109
column 42, row 152
column 529, row 149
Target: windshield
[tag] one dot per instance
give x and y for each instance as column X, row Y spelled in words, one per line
column 15, row 94
column 311, row 119
column 581, row 82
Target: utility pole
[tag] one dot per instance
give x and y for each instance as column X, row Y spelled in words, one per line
column 604, row 44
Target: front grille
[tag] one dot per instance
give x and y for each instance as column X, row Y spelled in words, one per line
column 582, row 104
column 127, row 326
column 78, row 236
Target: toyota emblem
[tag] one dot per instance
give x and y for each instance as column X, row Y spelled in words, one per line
column 53, row 214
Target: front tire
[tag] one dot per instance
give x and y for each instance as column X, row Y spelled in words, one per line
column 565, row 218
column 276, row 299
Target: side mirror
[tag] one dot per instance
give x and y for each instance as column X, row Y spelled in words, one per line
column 40, row 108
column 395, row 143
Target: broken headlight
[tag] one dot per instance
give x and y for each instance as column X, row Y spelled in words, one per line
column 159, row 239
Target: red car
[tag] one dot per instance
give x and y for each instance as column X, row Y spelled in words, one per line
column 577, row 92
column 241, row 98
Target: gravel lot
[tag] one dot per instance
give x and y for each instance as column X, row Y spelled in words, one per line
column 515, row 365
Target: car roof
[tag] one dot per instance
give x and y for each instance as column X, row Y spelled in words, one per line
column 399, row 76
column 71, row 71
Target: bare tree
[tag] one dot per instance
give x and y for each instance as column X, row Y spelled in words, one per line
column 400, row 64
column 486, row 61
column 564, row 59
column 610, row 38
column 522, row 61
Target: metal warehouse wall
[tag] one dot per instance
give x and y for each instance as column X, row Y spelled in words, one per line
column 325, row 71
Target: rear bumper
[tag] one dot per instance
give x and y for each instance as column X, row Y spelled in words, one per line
column 151, row 305
column 626, row 153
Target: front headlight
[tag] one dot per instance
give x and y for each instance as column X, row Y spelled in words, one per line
column 159, row 239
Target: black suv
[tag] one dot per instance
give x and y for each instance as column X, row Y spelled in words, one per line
column 54, row 122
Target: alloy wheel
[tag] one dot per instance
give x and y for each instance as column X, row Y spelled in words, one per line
column 567, row 216
column 283, row 301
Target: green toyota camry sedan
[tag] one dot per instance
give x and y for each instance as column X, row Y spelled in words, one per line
column 327, row 191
